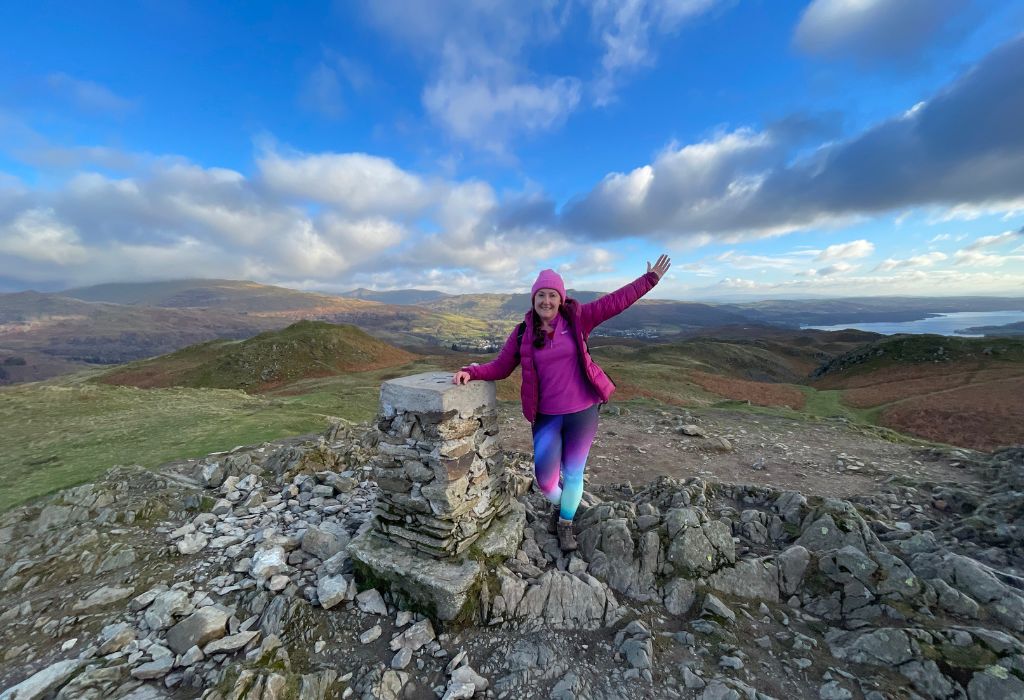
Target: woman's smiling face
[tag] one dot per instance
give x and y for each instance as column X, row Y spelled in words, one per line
column 545, row 303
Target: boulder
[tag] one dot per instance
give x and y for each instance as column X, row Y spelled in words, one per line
column 202, row 626
column 268, row 561
column 325, row 540
column 160, row 613
column 756, row 579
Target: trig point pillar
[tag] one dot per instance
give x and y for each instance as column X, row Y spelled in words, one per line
column 443, row 489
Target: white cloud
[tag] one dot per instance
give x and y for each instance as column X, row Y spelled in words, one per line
column 699, row 269
column 89, row 96
column 591, row 261
column 873, row 30
column 971, row 258
column 684, row 187
column 995, row 240
column 487, row 111
column 627, row 30
column 480, row 88
column 924, row 260
column 1006, row 207
column 847, row 251
column 753, row 262
column 368, row 235
column 738, row 283
column 833, row 269
column 38, row 236
column 356, row 182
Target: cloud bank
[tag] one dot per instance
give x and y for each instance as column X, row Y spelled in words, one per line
column 964, row 146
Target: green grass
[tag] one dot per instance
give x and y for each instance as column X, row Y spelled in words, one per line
column 828, row 404
column 69, row 432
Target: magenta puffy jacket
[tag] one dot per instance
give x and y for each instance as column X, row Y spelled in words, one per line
column 583, row 318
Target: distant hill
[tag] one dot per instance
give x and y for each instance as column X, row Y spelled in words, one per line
column 400, row 324
column 918, row 349
column 223, row 295
column 302, row 350
column 102, row 333
column 1008, row 329
column 396, row 296
column 114, row 323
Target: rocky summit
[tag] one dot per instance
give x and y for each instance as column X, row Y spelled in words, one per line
column 230, row 577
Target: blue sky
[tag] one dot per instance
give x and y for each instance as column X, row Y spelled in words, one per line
column 773, row 149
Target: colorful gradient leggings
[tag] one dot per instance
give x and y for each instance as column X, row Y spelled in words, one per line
column 561, row 445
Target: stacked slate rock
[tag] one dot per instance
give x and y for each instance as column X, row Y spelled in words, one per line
column 439, row 468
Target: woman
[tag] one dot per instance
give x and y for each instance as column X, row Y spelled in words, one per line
column 562, row 385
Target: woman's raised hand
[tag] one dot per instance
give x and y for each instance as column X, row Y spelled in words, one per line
column 660, row 267
column 461, row 377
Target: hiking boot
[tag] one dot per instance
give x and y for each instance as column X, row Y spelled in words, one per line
column 554, row 518
column 566, row 536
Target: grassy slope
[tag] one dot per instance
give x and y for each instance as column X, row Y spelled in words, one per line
column 962, row 391
column 69, row 431
column 304, row 349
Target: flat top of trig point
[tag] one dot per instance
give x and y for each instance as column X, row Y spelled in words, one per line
column 434, row 391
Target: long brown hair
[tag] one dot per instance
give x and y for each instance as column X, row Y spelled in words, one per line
column 538, row 334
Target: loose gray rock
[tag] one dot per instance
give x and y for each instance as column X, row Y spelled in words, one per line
column 691, row 680
column 231, row 643
column 43, row 682
column 213, row 474
column 995, row 682
column 268, row 561
column 154, row 669
column 115, row 637
column 715, row 607
column 371, row 602
column 401, row 659
column 833, row 691
column 160, row 614
column 466, row 674
column 190, row 544
column 680, row 595
column 332, row 590
column 415, row 637
column 102, row 597
column 370, row 634
column 325, row 540
column 202, row 626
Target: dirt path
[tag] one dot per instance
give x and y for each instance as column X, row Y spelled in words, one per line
column 824, row 458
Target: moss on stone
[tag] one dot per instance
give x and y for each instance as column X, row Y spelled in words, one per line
column 974, row 656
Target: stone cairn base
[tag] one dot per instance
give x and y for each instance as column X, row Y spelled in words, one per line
column 443, row 488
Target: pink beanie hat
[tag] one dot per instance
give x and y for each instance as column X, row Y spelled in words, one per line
column 548, row 279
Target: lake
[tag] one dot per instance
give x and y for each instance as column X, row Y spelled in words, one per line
column 941, row 324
